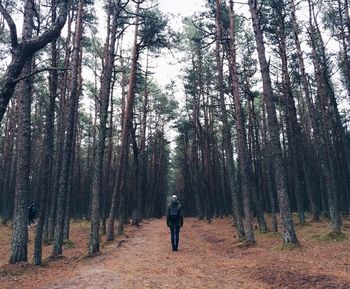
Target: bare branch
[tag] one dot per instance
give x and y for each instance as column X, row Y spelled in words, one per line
column 23, row 52
column 207, row 33
column 11, row 24
column 238, row 2
column 39, row 42
column 38, row 71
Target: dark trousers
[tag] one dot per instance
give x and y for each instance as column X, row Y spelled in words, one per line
column 31, row 219
column 175, row 234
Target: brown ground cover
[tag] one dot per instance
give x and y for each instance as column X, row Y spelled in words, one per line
column 209, row 257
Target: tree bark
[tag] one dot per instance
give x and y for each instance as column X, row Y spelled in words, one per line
column 114, row 9
column 311, row 139
column 19, row 244
column 295, row 142
column 73, row 106
column 20, row 216
column 8, row 158
column 122, row 162
column 226, row 133
column 23, row 51
column 289, row 235
column 140, row 162
column 48, row 148
column 326, row 153
column 244, row 162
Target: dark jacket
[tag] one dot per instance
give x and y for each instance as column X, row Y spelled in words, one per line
column 32, row 210
column 171, row 220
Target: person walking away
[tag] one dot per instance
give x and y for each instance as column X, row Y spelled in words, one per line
column 174, row 221
column 31, row 214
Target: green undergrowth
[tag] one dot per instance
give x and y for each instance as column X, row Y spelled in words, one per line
column 48, row 242
column 8, row 224
column 68, row 244
column 246, row 245
column 45, row 261
column 89, row 256
column 306, row 224
column 286, row 247
column 330, row 237
column 11, row 270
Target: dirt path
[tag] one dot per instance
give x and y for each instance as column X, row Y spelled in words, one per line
column 146, row 261
column 209, row 257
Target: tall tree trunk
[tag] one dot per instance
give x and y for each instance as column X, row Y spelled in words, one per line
column 345, row 61
column 109, row 49
column 326, row 154
column 261, row 196
column 108, row 170
column 311, row 140
column 47, row 157
column 244, row 162
column 7, row 164
column 122, row 162
column 295, row 142
column 19, row 244
column 140, row 162
column 226, row 133
column 194, row 155
column 270, row 184
column 69, row 197
column 73, row 106
column 289, row 235
column 61, row 126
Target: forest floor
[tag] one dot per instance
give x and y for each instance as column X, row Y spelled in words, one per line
column 209, row 256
